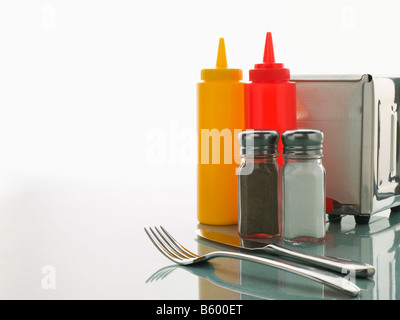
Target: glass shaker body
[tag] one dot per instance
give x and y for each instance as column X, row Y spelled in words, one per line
column 258, row 188
column 303, row 192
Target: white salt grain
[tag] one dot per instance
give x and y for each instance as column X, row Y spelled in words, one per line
column 304, row 200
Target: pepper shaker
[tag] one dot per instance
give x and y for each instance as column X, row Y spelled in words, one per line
column 258, row 185
column 303, row 186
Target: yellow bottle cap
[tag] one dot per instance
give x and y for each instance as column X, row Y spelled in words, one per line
column 221, row 72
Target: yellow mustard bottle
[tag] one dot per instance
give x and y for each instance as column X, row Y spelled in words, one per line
column 220, row 116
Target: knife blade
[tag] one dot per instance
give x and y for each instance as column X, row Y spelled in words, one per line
column 344, row 266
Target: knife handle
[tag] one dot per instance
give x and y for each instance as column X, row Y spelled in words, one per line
column 361, row 270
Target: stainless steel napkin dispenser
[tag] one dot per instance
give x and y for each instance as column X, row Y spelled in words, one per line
column 358, row 115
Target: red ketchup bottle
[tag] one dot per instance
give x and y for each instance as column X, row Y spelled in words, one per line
column 270, row 98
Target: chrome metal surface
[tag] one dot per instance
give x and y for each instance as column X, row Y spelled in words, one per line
column 303, row 143
column 258, row 143
column 358, row 115
column 343, row 266
column 177, row 253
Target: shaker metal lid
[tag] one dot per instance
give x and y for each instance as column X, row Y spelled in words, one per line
column 303, row 142
column 258, row 142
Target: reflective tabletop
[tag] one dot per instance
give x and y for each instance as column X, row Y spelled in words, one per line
column 71, row 239
column 377, row 244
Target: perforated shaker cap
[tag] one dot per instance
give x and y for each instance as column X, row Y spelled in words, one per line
column 303, row 142
column 256, row 142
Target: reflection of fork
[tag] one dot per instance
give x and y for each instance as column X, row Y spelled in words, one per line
column 162, row 273
column 174, row 251
column 207, row 272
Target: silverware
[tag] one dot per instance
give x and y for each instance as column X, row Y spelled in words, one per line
column 174, row 251
column 343, row 266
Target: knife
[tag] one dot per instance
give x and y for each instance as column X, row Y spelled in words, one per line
column 344, row 266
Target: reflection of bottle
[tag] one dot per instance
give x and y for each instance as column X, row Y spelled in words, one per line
column 224, row 284
column 220, row 118
column 270, row 97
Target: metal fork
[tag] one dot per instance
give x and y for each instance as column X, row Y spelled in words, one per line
column 174, row 251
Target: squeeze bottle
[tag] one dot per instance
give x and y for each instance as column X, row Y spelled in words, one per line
column 220, row 116
column 270, row 98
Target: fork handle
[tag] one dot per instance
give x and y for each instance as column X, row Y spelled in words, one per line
column 339, row 283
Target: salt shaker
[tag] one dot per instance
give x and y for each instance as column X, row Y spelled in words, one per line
column 258, row 184
column 303, row 186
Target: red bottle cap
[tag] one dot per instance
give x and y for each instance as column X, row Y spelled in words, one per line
column 269, row 70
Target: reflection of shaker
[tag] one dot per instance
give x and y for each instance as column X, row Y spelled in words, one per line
column 258, row 184
column 265, row 282
column 296, row 286
column 303, row 186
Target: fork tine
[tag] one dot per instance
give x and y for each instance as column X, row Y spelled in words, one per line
column 161, row 247
column 174, row 245
column 166, row 245
column 180, row 247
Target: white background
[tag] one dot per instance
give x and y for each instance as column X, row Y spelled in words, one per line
column 86, row 87
column 98, row 113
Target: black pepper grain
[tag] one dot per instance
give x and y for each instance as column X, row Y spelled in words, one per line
column 258, row 199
